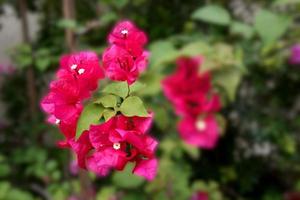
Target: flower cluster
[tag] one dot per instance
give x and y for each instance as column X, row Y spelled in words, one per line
column 125, row 58
column 192, row 98
column 77, row 77
column 123, row 137
column 295, row 55
column 121, row 140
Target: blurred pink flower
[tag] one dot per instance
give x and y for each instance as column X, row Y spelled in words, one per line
column 200, row 196
column 73, row 167
column 295, row 55
column 199, row 132
column 194, row 100
column 7, row 69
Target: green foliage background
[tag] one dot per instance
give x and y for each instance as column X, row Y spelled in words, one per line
column 246, row 46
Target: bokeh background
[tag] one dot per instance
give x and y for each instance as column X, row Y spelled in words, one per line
column 250, row 46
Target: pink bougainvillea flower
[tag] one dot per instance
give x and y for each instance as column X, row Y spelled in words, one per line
column 81, row 147
column 118, row 141
column 63, row 101
column 195, row 103
column 7, row 69
column 192, row 97
column 146, row 168
column 73, row 167
column 199, row 132
column 186, row 80
column 119, row 65
column 126, row 35
column 84, row 67
column 295, row 55
column 189, row 91
column 200, row 196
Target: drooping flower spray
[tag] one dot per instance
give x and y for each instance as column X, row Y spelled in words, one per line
column 112, row 129
column 194, row 101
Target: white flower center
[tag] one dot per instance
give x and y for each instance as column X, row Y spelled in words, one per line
column 200, row 125
column 73, row 67
column 124, row 32
column 81, row 71
column 116, row 145
column 57, row 121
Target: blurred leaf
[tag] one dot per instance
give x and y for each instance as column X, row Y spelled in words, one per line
column 285, row 2
column 91, row 114
column 67, row 23
column 229, row 79
column 192, row 151
column 270, row 26
column 162, row 52
column 22, row 54
column 42, row 59
column 161, row 117
column 5, row 170
column 152, row 81
column 125, row 178
column 108, row 17
column 133, row 106
column 117, row 88
column 108, row 101
column 4, row 189
column 213, row 14
column 242, row 29
column 195, row 48
column 106, row 193
column 136, row 87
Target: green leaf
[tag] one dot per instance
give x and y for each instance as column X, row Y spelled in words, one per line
column 136, row 86
column 162, row 52
column 212, row 14
column 108, row 113
column 5, row 170
column 22, row 55
column 195, row 49
column 161, row 119
column 193, row 152
column 153, row 83
column 125, row 178
column 67, row 23
column 91, row 114
column 108, row 101
column 229, row 80
column 117, row 88
column 133, row 106
column 106, row 193
column 270, row 26
column 285, row 2
column 242, row 29
column 42, row 59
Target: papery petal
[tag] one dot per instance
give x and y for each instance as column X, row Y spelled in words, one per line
column 146, row 168
column 206, row 138
column 81, row 147
column 101, row 162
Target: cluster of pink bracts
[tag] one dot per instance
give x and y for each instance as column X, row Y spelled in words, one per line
column 112, row 144
column 192, row 97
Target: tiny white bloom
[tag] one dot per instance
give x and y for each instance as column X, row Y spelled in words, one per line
column 57, row 121
column 81, row 71
column 73, row 67
column 200, row 125
column 117, row 146
column 124, row 31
